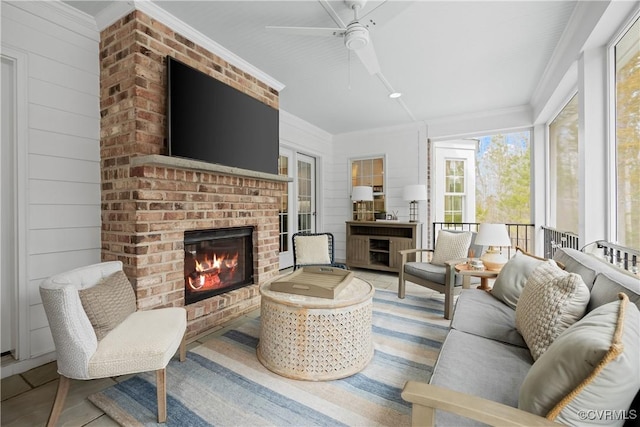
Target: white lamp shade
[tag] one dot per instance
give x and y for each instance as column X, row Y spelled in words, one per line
column 362, row 193
column 414, row 192
column 493, row 235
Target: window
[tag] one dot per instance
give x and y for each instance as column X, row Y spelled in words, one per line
column 454, row 181
column 454, row 191
column 627, row 137
column 563, row 168
column 370, row 172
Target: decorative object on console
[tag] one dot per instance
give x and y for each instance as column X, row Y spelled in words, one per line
column 413, row 194
column 362, row 194
column 494, row 236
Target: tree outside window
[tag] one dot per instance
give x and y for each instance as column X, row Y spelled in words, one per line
column 503, row 178
column 563, row 165
column 627, row 135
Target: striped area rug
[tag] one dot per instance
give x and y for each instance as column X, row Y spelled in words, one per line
column 222, row 383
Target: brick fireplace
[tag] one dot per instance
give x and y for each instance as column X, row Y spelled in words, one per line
column 149, row 199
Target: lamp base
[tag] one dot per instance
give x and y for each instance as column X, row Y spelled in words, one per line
column 413, row 211
column 493, row 260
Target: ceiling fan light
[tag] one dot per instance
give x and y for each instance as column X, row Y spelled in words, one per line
column 356, row 37
column 394, row 95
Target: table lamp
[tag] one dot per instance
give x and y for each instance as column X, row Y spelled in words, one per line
column 494, row 236
column 360, row 195
column 414, row 193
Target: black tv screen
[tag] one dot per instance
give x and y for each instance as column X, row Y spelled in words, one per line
column 210, row 121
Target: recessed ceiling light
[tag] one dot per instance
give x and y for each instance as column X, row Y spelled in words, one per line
column 395, row 95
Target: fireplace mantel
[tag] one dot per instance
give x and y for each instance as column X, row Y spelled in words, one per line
column 195, row 165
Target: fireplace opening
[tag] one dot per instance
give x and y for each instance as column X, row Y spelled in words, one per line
column 217, row 261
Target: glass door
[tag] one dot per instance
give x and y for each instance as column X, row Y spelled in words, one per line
column 298, row 204
column 285, row 168
column 306, row 193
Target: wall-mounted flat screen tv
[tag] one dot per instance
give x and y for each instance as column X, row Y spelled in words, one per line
column 211, row 121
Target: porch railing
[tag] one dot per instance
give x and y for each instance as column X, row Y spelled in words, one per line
column 554, row 239
column 521, row 234
column 621, row 256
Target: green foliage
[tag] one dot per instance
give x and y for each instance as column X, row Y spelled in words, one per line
column 503, row 192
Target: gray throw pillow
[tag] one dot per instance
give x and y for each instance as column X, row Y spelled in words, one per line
column 108, row 302
column 591, row 373
column 513, row 276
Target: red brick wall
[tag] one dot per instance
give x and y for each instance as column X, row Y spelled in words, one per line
column 146, row 209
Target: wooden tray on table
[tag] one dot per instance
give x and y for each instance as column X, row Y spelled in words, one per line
column 321, row 282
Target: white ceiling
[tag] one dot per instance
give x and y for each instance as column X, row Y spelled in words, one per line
column 448, row 58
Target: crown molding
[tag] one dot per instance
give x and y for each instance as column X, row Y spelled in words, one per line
column 119, row 9
column 113, row 12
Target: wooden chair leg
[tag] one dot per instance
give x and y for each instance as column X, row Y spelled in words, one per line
column 183, row 348
column 58, row 402
column 161, row 386
column 448, row 305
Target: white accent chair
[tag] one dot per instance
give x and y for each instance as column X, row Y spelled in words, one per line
column 143, row 341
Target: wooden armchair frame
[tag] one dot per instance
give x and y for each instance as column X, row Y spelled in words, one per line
column 448, row 288
column 426, row 398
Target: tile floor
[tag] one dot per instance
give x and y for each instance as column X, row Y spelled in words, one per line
column 27, row 397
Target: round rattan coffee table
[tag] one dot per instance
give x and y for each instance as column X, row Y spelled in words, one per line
column 317, row 339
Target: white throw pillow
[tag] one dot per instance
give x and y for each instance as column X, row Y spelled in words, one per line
column 451, row 246
column 551, row 301
column 312, row 249
column 591, row 373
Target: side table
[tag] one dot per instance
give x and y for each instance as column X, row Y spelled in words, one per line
column 484, row 275
column 316, row 339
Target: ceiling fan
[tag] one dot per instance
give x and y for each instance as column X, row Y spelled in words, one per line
column 355, row 34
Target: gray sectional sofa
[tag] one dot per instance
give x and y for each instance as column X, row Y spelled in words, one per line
column 484, row 360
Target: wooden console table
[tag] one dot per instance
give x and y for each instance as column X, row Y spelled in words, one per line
column 375, row 244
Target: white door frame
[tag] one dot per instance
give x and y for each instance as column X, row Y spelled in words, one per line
column 19, row 282
column 286, row 258
column 462, row 149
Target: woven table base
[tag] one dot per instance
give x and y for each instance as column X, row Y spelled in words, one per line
column 316, row 339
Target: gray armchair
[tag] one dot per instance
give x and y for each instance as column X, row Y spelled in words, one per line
column 441, row 278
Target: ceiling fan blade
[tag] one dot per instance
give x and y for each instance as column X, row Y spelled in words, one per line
column 308, row 31
column 368, row 57
column 332, row 13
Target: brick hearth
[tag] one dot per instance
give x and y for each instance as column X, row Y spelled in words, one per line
column 148, row 199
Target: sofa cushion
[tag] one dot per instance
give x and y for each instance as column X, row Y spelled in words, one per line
column 478, row 313
column 551, row 301
column 607, row 286
column 108, row 302
column 450, row 246
column 574, row 261
column 592, row 366
column 513, row 276
column 481, row 367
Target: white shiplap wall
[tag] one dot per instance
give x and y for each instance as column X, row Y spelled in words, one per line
column 62, row 170
column 404, row 150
